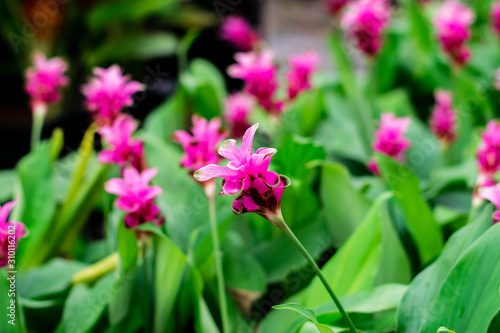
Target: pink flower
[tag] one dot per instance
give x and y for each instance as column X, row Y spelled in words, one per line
column 259, row 74
column 45, row 79
column 492, row 194
column 390, row 138
column 488, row 154
column 301, row 68
column 246, row 176
column 239, row 33
column 108, row 92
column 135, row 197
column 365, row 21
column 238, row 108
column 124, row 150
column 495, row 17
column 200, row 147
column 10, row 233
column 453, row 22
column 334, row 7
column 443, row 118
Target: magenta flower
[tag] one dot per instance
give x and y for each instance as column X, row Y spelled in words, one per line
column 365, row 21
column 239, row 33
column 200, row 147
column 443, row 118
column 259, row 74
column 492, row 194
column 246, row 176
column 390, row 139
column 334, row 7
column 238, row 108
column 10, row 233
column 488, row 154
column 45, row 79
column 135, row 197
column 301, row 68
column 108, row 92
column 453, row 22
column 124, row 149
column 495, row 17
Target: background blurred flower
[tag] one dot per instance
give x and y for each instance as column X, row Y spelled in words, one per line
column 492, row 193
column 135, row 197
column 20, row 231
column 365, row 21
column 238, row 108
column 495, row 17
column 200, row 147
column 443, row 118
column 238, row 32
column 334, row 7
column 488, row 154
column 108, row 92
column 302, row 67
column 45, row 79
column 453, row 22
column 390, row 139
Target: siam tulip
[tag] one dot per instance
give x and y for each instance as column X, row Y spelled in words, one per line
column 492, row 194
column 488, row 154
column 258, row 190
column 238, row 32
column 301, row 68
column 135, row 196
column 443, row 119
column 495, row 17
column 259, row 74
column 334, row 7
column 238, row 108
column 108, row 92
column 453, row 22
column 10, row 233
column 124, row 149
column 365, row 21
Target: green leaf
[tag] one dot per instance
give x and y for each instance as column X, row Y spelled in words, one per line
column 140, row 47
column 425, row 288
column 307, row 313
column 444, row 329
column 11, row 307
column 127, row 246
column 343, row 64
column 167, row 117
column 7, row 182
column 424, row 230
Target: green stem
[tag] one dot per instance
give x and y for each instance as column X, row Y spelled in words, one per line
column 100, row 268
column 218, row 265
column 280, row 223
column 39, row 112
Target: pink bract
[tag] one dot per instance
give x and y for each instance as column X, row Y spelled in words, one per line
column 10, row 233
column 238, row 32
column 488, row 153
column 301, row 69
column 495, row 17
column 492, row 194
column 238, row 108
column 443, row 118
column 390, row 139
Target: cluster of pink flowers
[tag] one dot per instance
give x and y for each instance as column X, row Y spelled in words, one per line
column 238, row 32
column 301, row 69
column 390, row 139
column 247, row 177
column 453, row 22
column 488, row 154
column 365, row 21
column 44, row 81
column 238, row 109
column 492, row 194
column 135, row 196
column 200, row 147
column 10, row 233
column 443, row 119
column 495, row 17
column 108, row 93
column 334, row 7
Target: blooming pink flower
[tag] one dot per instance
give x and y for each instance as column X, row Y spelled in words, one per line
column 492, row 194
column 443, row 118
column 495, row 17
column 259, row 74
column 246, row 176
column 45, row 79
column 239, row 33
column 108, row 93
column 301, row 68
column 238, row 108
column 135, row 197
column 453, row 22
column 390, row 138
column 124, row 150
column 10, row 233
column 334, row 7
column 200, row 147
column 488, row 154
column 365, row 21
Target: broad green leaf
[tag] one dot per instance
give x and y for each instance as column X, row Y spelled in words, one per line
column 344, row 207
column 424, row 230
column 342, row 64
column 11, row 309
column 127, row 246
column 305, row 312
column 444, row 329
column 167, row 117
column 304, row 115
column 425, row 287
column 7, row 182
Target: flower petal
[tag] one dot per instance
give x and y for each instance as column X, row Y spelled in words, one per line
column 214, row 170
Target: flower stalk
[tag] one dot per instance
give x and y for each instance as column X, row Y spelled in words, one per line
column 39, row 112
column 278, row 221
